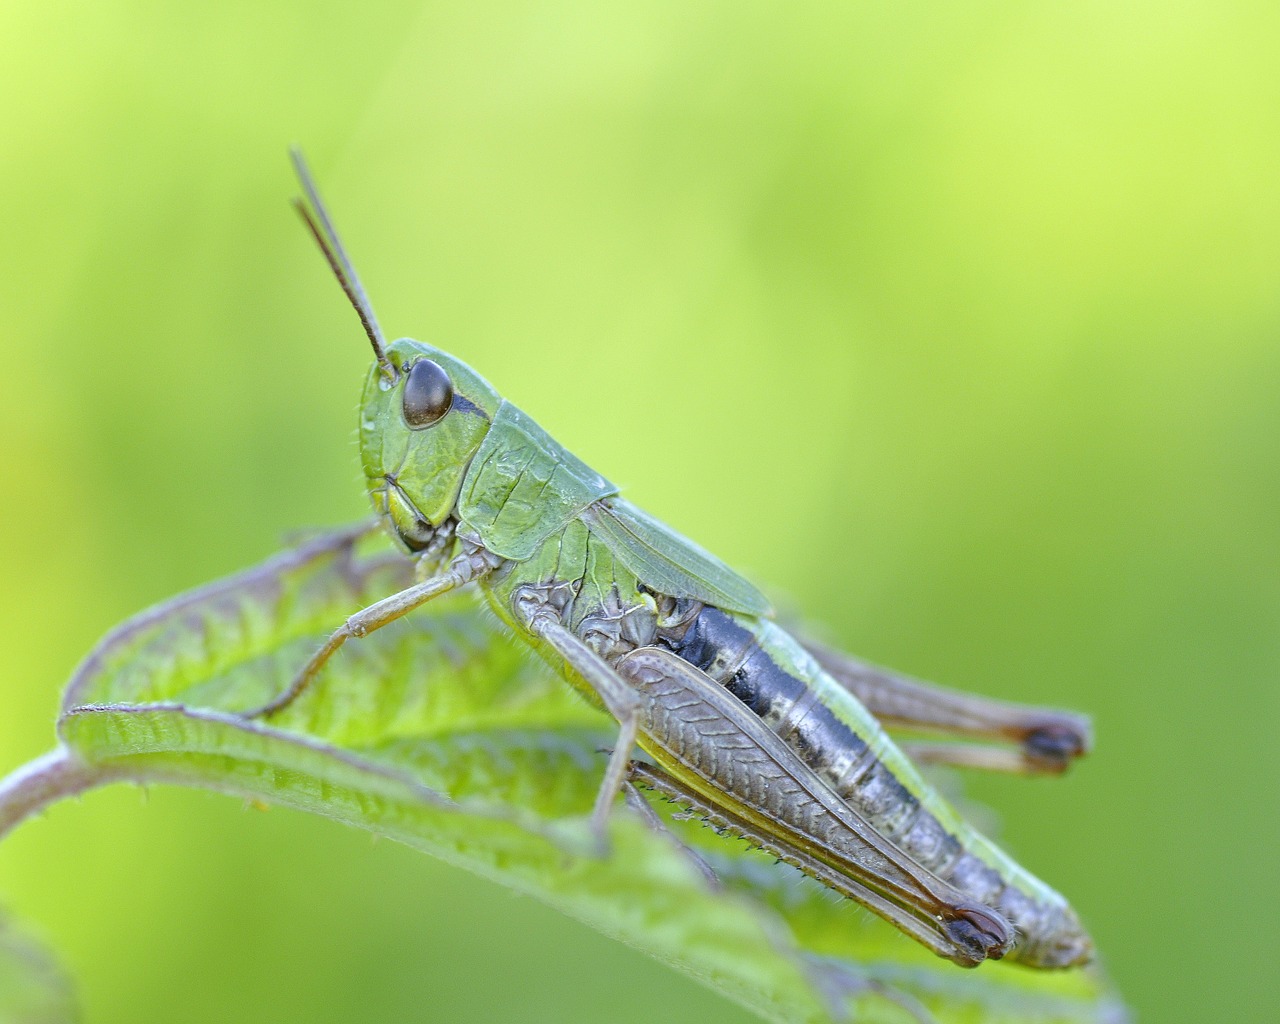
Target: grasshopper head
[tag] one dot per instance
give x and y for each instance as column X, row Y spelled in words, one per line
column 423, row 414
column 419, row 429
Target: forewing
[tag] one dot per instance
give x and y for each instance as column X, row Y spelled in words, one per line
column 669, row 563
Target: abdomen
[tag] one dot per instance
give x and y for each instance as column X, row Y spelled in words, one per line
column 761, row 665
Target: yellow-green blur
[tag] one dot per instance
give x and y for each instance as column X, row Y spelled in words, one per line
column 957, row 326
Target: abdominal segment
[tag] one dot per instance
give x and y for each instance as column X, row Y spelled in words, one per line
column 794, row 701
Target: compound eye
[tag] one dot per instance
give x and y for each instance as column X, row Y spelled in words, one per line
column 428, row 394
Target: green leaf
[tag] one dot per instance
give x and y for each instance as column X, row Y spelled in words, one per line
column 33, row 989
column 441, row 732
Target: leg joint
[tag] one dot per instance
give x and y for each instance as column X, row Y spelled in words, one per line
column 537, row 604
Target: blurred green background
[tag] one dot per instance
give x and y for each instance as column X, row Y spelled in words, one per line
column 958, row 324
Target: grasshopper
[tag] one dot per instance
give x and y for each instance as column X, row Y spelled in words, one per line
column 772, row 739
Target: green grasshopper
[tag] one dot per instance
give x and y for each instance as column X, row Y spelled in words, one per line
column 776, row 741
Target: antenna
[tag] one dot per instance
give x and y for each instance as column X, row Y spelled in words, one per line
column 322, row 230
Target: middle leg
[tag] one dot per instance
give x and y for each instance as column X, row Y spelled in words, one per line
column 544, row 621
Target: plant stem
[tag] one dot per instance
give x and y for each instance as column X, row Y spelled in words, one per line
column 57, row 774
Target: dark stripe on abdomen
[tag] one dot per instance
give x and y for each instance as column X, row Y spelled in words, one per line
column 1049, row 935
column 730, row 654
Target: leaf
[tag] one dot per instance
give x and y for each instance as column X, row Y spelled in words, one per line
column 442, row 733
column 33, row 989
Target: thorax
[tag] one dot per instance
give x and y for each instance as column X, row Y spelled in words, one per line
column 592, row 592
